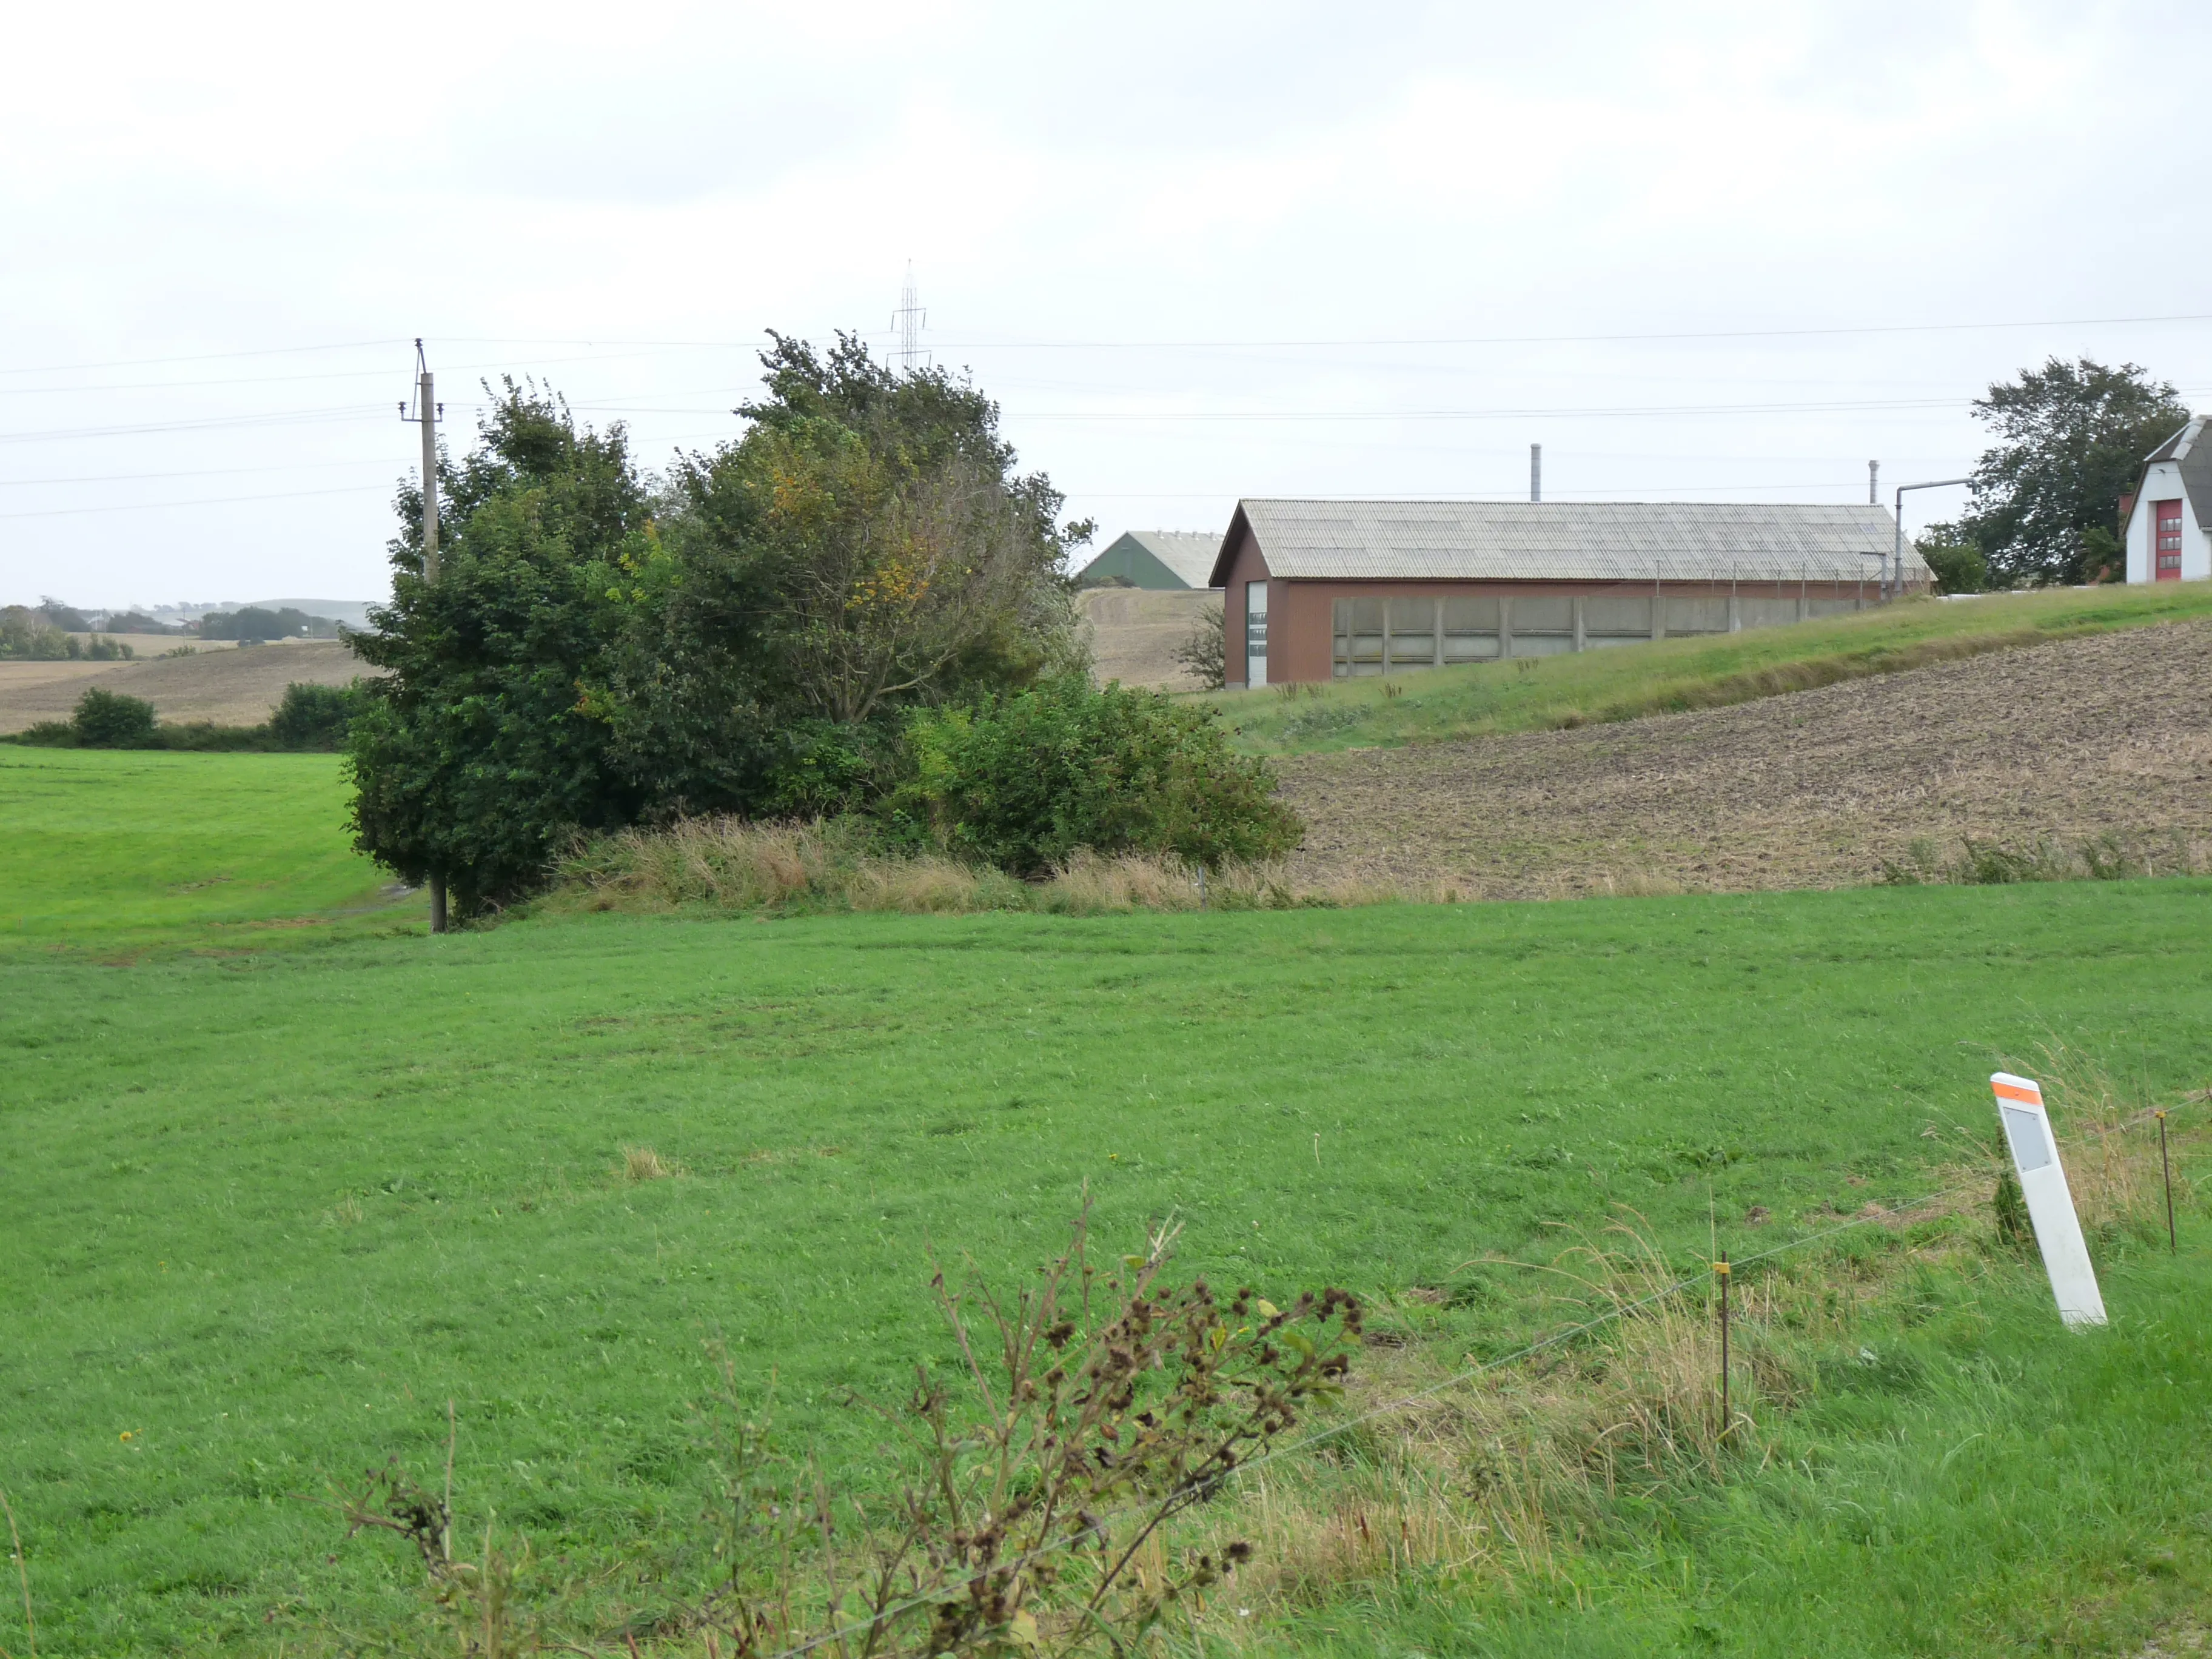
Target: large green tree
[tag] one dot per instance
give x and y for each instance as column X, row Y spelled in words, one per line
column 746, row 636
column 480, row 753
column 2070, row 438
column 907, row 560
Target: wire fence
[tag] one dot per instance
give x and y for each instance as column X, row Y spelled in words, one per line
column 1470, row 1374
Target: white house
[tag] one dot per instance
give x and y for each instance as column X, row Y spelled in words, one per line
column 2169, row 534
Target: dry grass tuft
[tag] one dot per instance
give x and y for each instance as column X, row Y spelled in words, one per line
column 1495, row 1474
column 730, row 864
column 643, row 1163
column 2108, row 1144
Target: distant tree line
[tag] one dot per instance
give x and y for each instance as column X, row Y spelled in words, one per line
column 42, row 631
column 34, row 635
column 255, row 621
column 2070, row 440
column 309, row 717
column 858, row 606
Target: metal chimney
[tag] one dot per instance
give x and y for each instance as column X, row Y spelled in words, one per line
column 1535, row 472
column 1874, row 483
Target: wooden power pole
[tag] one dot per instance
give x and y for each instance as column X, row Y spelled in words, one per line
column 427, row 412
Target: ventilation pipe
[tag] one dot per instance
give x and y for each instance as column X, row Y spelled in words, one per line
column 1535, row 472
column 1874, row 483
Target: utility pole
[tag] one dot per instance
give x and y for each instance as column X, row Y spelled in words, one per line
column 428, row 409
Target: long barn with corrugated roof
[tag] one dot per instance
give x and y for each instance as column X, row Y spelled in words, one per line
column 1318, row 590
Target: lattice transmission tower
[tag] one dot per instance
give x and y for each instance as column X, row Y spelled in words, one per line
column 907, row 322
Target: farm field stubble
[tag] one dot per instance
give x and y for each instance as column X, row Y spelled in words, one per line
column 2104, row 738
column 270, row 1211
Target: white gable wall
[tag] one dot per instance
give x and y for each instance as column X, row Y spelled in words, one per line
column 2162, row 482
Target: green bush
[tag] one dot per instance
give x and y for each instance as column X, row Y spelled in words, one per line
column 108, row 720
column 315, row 716
column 1024, row 781
column 1957, row 563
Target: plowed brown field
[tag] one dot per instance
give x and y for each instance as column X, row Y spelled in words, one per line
column 2107, row 735
column 229, row 686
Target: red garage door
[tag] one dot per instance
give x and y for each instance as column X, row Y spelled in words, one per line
column 2166, row 548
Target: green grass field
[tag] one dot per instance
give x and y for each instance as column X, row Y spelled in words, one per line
column 122, row 849
column 269, row 1210
column 1624, row 682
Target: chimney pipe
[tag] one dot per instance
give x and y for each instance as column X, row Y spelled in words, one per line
column 1874, row 483
column 1535, row 472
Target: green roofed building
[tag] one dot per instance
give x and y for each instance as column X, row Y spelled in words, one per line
column 1153, row 558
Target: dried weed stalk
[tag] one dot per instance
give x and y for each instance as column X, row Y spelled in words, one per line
column 1090, row 1411
column 1036, row 1504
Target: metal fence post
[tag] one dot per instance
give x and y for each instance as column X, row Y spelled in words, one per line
column 1721, row 1272
column 2165, row 1168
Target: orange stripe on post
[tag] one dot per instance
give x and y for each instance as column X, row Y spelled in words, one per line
column 2031, row 1094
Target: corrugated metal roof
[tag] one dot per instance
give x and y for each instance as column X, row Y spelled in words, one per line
column 1569, row 541
column 1189, row 554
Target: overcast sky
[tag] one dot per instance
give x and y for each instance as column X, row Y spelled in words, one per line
column 1721, row 252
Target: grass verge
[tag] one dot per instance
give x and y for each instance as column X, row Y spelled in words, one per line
column 1628, row 682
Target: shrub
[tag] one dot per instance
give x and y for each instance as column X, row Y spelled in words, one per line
column 1953, row 557
column 108, row 720
column 315, row 716
column 1204, row 653
column 1025, row 780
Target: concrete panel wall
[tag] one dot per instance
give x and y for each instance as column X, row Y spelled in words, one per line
column 1401, row 627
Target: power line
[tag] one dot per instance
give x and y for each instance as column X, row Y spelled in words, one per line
column 202, row 501
column 508, row 363
column 1351, row 344
column 1429, row 340
column 1551, row 491
column 1569, row 339
column 192, row 472
column 1556, row 412
column 342, row 412
column 199, row 357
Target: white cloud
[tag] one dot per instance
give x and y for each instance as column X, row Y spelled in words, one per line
column 238, row 177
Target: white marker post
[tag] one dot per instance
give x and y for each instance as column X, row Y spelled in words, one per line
column 2049, row 1201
